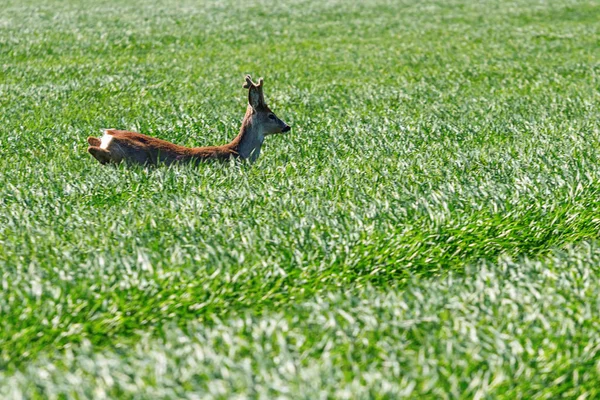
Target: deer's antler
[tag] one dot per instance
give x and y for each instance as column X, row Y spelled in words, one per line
column 249, row 84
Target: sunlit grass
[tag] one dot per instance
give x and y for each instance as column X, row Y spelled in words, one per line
column 427, row 228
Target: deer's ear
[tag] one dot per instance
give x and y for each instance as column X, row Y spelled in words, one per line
column 255, row 93
column 255, row 97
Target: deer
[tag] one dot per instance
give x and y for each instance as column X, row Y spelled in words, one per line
column 259, row 121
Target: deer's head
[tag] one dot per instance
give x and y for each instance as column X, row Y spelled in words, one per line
column 258, row 111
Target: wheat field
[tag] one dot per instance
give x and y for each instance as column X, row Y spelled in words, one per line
column 428, row 229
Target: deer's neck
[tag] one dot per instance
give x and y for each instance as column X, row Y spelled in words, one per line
column 250, row 139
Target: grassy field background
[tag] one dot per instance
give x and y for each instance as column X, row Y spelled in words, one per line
column 428, row 228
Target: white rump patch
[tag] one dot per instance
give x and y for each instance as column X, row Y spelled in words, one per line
column 105, row 141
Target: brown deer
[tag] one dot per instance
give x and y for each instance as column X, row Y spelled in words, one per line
column 259, row 121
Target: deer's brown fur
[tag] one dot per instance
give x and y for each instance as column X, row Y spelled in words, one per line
column 117, row 145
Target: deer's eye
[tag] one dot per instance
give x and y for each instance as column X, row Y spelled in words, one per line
column 271, row 116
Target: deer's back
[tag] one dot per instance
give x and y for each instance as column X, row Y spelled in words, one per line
column 143, row 149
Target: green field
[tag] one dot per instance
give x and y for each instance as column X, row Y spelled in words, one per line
column 428, row 229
